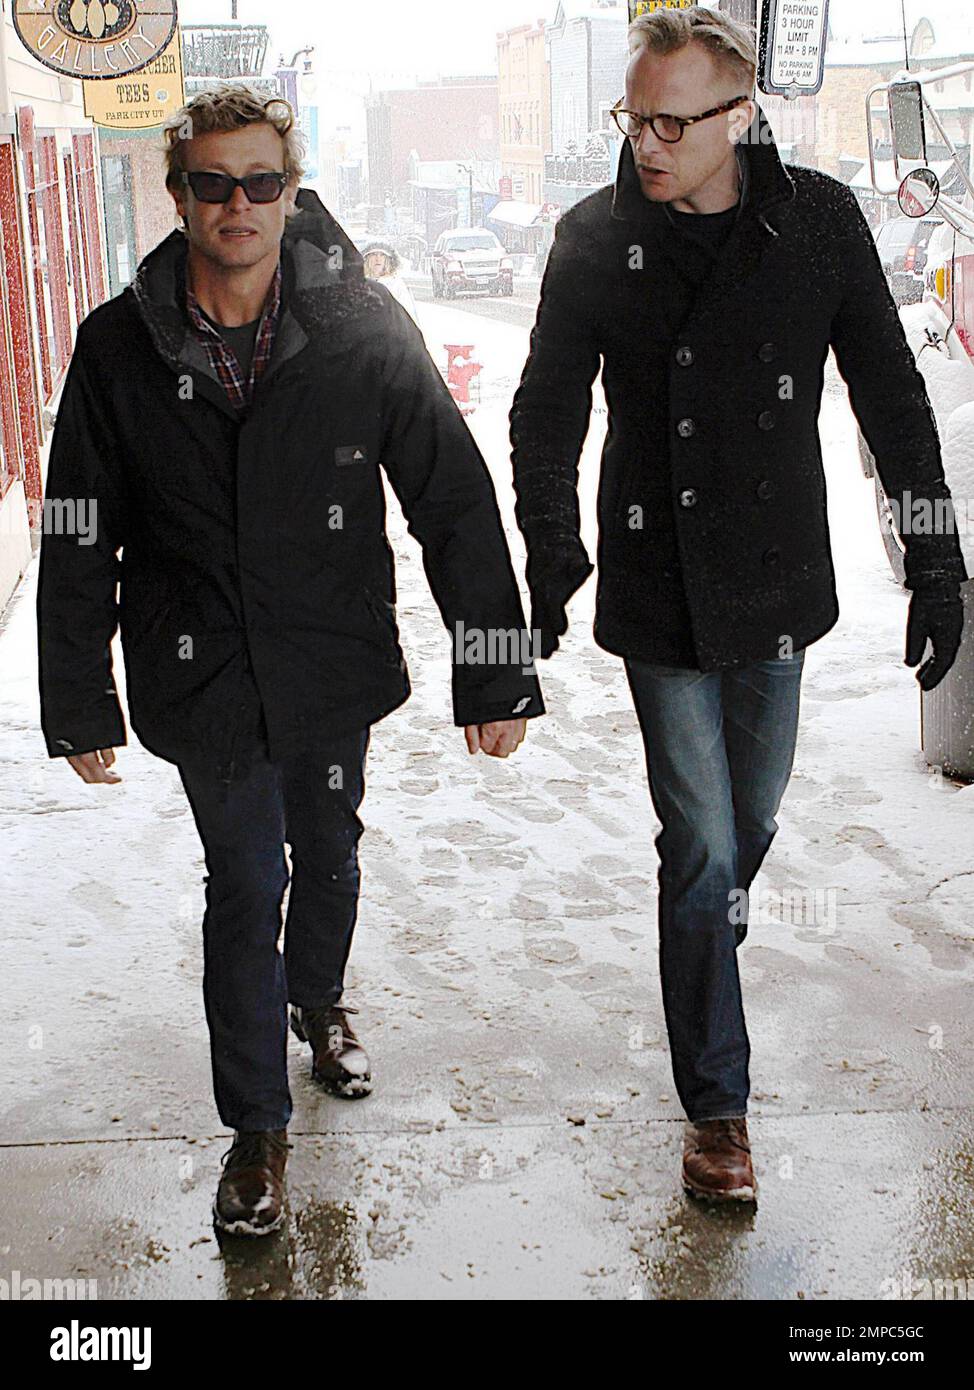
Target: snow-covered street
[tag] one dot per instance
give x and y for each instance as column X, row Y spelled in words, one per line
column 523, row 1137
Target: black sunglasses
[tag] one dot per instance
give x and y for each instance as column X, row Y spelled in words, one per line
column 218, row 188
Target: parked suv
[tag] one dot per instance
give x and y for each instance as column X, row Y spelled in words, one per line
column 470, row 260
column 902, row 246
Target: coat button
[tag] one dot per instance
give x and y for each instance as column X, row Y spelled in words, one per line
column 766, row 420
column 765, row 490
column 688, row 497
column 766, row 352
column 684, row 356
column 772, row 555
column 685, row 428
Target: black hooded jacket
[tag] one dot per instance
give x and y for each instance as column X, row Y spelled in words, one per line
column 713, row 532
column 255, row 569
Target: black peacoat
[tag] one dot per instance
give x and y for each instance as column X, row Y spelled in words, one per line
column 713, row 532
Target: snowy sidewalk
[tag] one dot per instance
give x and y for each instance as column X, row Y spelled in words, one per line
column 523, row 1138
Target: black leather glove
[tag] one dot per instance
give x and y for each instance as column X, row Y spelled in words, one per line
column 554, row 572
column 936, row 614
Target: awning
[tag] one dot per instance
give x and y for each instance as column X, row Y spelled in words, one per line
column 514, row 214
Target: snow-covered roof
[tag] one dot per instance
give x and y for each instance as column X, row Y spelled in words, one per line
column 865, row 53
column 886, row 175
column 860, row 32
column 587, row 9
column 950, row 21
column 515, row 214
column 446, row 174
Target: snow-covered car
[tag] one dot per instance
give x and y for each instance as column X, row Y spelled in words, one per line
column 470, row 260
column 938, row 329
column 902, row 246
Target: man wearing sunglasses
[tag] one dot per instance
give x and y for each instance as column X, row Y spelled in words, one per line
column 228, row 415
column 709, row 283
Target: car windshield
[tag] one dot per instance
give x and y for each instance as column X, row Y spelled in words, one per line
column 471, row 243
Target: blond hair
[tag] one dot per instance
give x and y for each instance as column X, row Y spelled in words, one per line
column 730, row 44
column 231, row 106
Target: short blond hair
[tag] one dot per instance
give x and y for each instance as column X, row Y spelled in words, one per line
column 231, row 106
column 731, row 45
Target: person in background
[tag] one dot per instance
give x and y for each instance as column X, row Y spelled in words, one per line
column 382, row 263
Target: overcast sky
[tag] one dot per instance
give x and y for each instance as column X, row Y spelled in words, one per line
column 429, row 37
column 393, row 42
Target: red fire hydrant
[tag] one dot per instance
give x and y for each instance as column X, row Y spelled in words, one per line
column 461, row 369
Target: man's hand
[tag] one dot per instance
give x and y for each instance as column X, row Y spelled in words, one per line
column 936, row 613
column 554, row 573
column 497, row 740
column 93, row 767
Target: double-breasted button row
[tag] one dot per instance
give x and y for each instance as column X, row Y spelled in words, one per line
column 684, row 355
column 688, row 497
column 687, row 427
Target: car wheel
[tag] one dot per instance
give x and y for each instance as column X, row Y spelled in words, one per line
column 891, row 541
column 866, row 456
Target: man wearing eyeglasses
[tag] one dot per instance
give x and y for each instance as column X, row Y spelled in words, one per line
column 710, row 282
column 227, row 416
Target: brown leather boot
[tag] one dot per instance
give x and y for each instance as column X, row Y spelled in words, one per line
column 717, row 1161
column 340, row 1061
column 250, row 1196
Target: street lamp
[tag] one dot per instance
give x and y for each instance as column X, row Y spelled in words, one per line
column 468, row 170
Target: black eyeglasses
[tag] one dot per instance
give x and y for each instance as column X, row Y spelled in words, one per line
column 666, row 128
column 209, row 187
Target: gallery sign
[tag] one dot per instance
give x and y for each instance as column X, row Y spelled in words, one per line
column 95, row 39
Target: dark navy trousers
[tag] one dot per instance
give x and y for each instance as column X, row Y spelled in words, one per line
column 310, row 800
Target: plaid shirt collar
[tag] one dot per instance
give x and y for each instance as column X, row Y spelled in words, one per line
column 220, row 354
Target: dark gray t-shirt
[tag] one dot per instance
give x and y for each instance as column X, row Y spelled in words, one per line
column 711, row 227
column 241, row 341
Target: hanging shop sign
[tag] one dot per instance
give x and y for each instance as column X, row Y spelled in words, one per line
column 95, row 39
column 638, row 7
column 141, row 99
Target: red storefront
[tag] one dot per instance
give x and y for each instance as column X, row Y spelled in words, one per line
column 52, row 254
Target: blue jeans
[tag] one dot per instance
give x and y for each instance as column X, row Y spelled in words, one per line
column 719, row 752
column 311, row 801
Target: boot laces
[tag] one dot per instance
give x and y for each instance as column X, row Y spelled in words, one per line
column 331, row 1017
column 727, row 1131
column 251, row 1146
